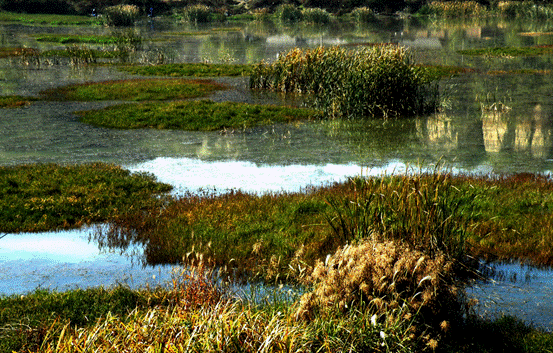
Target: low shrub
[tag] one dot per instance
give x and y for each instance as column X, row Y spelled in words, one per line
column 121, row 15
column 376, row 81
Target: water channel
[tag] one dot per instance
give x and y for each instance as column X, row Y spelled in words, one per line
column 282, row 157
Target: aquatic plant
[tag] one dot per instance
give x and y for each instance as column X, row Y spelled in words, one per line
column 195, row 13
column 195, row 115
column 376, row 81
column 454, row 9
column 120, row 15
column 288, row 13
column 524, row 9
column 363, row 15
column 315, row 15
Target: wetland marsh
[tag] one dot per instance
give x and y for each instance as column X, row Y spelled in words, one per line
column 495, row 118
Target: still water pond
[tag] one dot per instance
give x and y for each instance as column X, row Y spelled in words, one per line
column 283, row 157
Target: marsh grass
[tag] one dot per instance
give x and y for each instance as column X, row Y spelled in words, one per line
column 120, row 15
column 509, row 52
column 47, row 19
column 135, row 90
column 74, row 39
column 316, row 16
column 15, row 101
column 455, row 9
column 189, row 69
column 47, row 197
column 195, row 13
column 195, row 115
column 377, row 81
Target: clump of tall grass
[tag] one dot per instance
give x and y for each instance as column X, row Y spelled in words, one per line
column 195, row 14
column 423, row 211
column 288, row 13
column 455, row 9
column 80, row 55
column 363, row 15
column 316, row 15
column 379, row 278
column 121, row 15
column 524, row 9
column 377, row 81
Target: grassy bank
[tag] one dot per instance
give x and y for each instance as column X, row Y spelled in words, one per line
column 46, row 197
column 196, row 115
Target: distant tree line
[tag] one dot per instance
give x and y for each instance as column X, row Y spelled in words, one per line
column 84, row 7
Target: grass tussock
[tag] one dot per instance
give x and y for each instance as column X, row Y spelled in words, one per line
column 383, row 277
column 135, row 90
column 46, row 197
column 121, row 15
column 377, row 81
column 203, row 115
column 455, row 9
column 195, row 14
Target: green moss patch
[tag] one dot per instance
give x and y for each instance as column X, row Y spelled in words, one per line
column 189, row 69
column 193, row 115
column 46, row 197
column 509, row 51
column 135, row 90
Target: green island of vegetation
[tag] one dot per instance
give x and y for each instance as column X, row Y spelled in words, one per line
column 202, row 115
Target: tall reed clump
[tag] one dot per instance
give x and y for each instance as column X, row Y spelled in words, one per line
column 391, row 283
column 377, row 81
column 524, row 9
column 195, row 13
column 288, row 13
column 455, row 9
column 316, row 15
column 121, row 15
column 423, row 211
column 363, row 15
